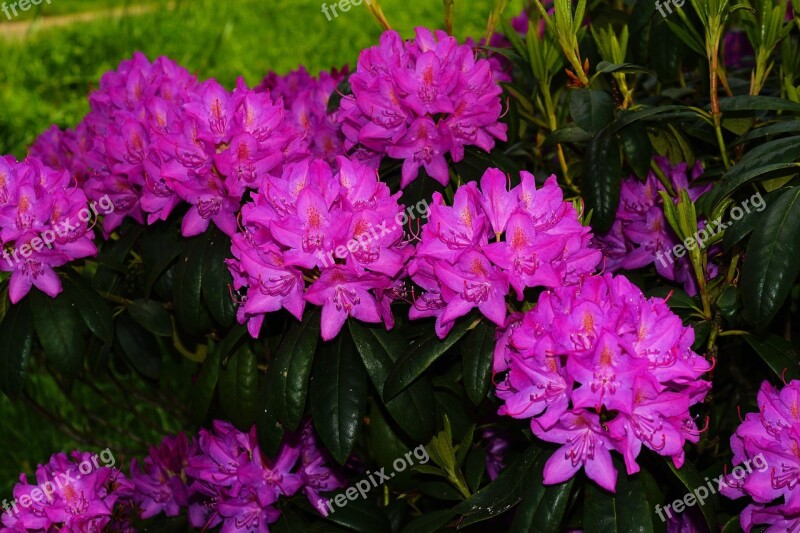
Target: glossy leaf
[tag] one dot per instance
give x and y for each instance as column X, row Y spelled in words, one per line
column 291, row 368
column 637, row 148
column 419, row 357
column 94, row 311
column 206, row 383
column 626, row 511
column 477, row 350
column 501, row 494
column 16, row 338
column 773, row 259
column 603, row 176
column 542, row 507
column 60, row 330
column 778, row 353
column 217, row 279
column 413, row 408
column 152, row 316
column 338, row 395
column 239, row 388
column 691, row 479
column 592, row 110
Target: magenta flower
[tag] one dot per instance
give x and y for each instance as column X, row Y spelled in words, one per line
column 44, row 220
column 419, row 101
column 159, row 482
column 306, row 100
column 601, row 348
column 766, row 465
column 317, row 476
column 538, row 241
column 343, row 292
column 75, row 500
column 330, row 238
column 641, row 236
column 585, row 445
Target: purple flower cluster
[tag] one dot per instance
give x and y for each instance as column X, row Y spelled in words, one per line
column 65, row 500
column 233, row 484
column 306, row 100
column 44, row 218
column 641, row 232
column 537, row 241
column 337, row 230
column 770, row 440
column 599, row 367
column 221, row 477
column 160, row 480
column 420, row 100
column 156, row 137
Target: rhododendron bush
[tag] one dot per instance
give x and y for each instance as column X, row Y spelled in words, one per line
column 561, row 258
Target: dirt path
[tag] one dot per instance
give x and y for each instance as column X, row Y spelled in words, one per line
column 20, row 30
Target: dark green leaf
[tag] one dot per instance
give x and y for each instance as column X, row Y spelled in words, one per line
column 360, row 514
column 206, row 383
column 239, row 387
column 691, row 479
column 338, row 395
column 113, row 258
column 778, row 353
column 413, row 409
column 628, row 68
column 592, row 110
column 152, row 316
column 60, row 330
column 602, row 179
column 739, row 229
column 217, row 279
column 676, row 298
column 477, row 353
column 159, row 250
column 637, row 148
column 421, row 356
column 773, row 259
column 542, row 507
column 734, row 525
column 757, row 103
column 291, row 368
column 627, row 511
column 501, row 494
column 476, row 161
column 188, row 286
column 16, row 338
column 430, row 522
column 567, row 134
column 771, row 159
column 629, row 117
column 343, row 89
column 788, row 126
column 139, row 347
column 94, row 311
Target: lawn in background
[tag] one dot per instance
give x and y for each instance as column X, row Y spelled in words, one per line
column 45, row 78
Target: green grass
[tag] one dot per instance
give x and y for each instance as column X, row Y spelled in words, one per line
column 45, row 79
